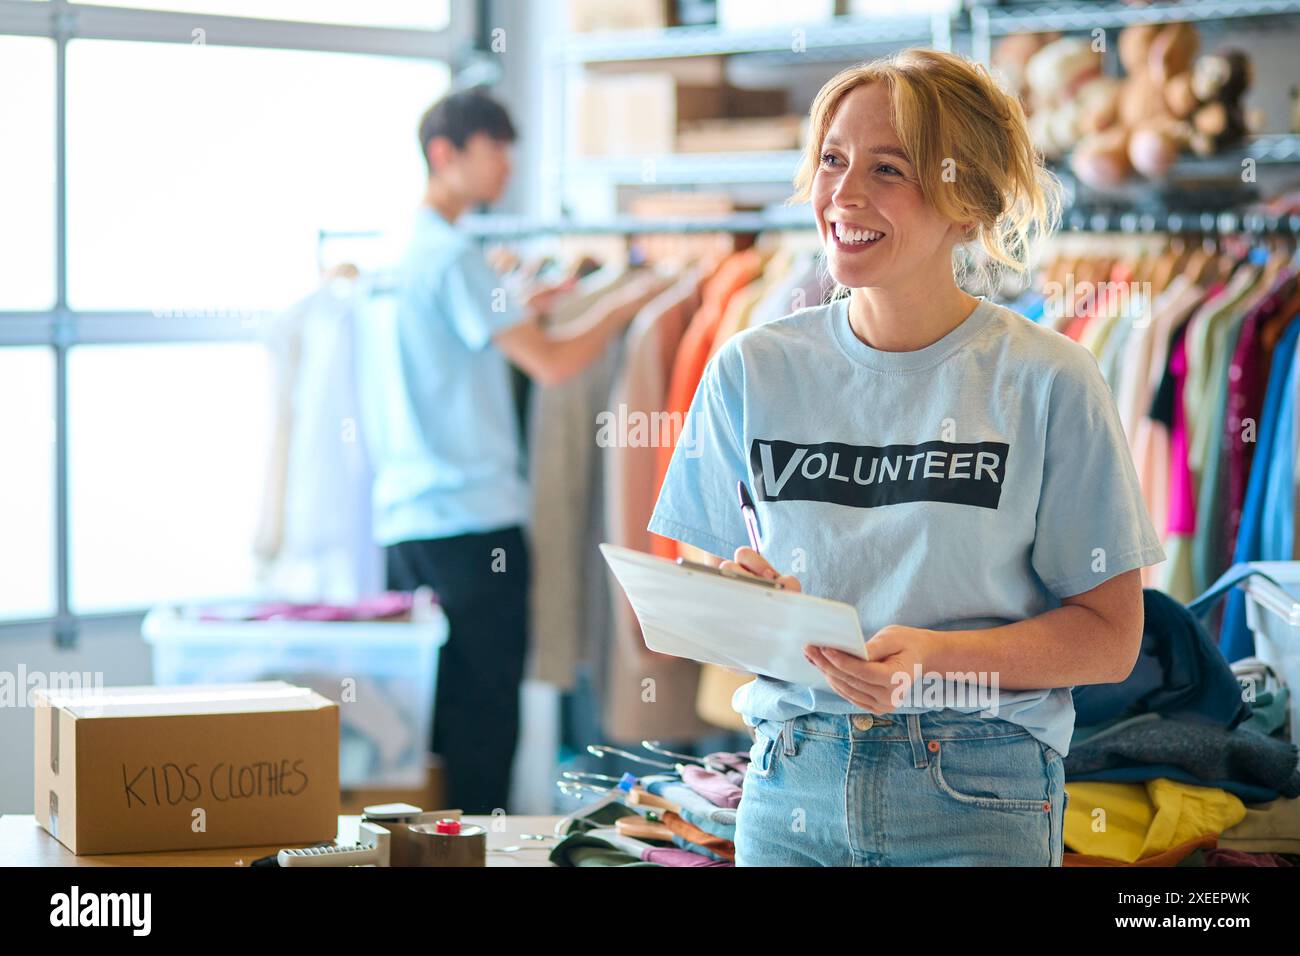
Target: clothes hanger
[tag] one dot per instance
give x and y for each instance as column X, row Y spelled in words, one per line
column 600, row 750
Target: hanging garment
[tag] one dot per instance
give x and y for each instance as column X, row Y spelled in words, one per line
column 1144, row 819
column 1247, row 380
column 636, row 401
column 569, row 598
column 736, row 272
column 316, row 527
column 1277, row 536
column 1235, row 636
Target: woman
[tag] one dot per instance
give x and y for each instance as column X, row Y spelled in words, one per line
column 955, row 471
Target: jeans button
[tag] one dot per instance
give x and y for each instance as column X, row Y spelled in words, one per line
column 863, row 721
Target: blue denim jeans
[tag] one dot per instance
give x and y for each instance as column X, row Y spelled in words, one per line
column 935, row 789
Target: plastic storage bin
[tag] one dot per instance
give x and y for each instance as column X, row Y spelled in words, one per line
column 1273, row 614
column 382, row 675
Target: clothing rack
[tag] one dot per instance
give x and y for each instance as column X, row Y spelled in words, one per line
column 1179, row 222
column 1078, row 219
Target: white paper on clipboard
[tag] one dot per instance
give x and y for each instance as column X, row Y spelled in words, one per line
column 717, row 620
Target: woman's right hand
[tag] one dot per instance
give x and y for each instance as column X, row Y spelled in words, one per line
column 749, row 563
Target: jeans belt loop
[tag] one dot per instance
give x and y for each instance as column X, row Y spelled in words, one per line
column 787, row 735
column 920, row 757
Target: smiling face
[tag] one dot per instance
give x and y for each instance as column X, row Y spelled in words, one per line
column 876, row 226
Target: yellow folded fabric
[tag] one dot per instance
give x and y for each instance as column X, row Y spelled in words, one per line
column 1144, row 819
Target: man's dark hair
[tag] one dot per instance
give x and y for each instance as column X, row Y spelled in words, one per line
column 461, row 115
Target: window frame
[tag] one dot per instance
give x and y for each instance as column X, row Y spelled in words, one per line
column 60, row 328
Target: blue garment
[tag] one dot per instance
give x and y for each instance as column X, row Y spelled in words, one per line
column 1179, row 673
column 711, row 825
column 438, row 404
column 1247, row 792
column 1235, row 639
column 969, row 484
column 933, row 789
column 1277, row 520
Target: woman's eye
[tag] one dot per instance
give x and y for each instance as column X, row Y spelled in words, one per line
column 827, row 158
column 892, row 170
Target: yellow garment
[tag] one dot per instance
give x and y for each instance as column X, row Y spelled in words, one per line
column 1143, row 819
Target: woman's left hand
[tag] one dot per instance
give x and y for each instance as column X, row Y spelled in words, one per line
column 871, row 684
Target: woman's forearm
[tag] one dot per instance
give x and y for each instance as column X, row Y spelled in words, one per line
column 1063, row 647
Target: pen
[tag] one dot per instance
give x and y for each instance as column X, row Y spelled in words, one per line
column 749, row 514
column 751, row 519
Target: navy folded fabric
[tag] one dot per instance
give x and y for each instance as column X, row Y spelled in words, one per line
column 1211, row 755
column 1180, row 673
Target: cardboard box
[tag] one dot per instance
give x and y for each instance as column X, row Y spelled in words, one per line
column 642, row 113
column 589, row 15
column 767, row 134
column 133, row 769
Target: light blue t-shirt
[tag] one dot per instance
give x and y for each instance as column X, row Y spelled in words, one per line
column 438, row 408
column 969, row 484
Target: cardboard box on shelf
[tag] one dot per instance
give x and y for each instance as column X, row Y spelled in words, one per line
column 586, row 16
column 766, row 133
column 642, row 113
column 134, row 769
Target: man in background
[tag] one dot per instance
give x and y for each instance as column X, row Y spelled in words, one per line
column 450, row 496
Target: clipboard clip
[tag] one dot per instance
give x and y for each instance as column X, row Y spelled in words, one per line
column 709, row 569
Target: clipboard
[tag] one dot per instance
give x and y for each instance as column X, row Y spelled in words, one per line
column 696, row 613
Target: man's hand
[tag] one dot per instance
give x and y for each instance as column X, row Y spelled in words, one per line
column 540, row 297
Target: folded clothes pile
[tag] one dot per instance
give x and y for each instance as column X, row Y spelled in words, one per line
column 1184, row 758
column 691, row 821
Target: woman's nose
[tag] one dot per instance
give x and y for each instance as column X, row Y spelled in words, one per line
column 851, row 191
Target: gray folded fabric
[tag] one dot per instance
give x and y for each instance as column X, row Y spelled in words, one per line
column 1206, row 751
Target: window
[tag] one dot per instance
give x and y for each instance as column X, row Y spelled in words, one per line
column 167, row 460
column 420, row 14
column 206, row 196
column 26, row 491
column 192, row 180
column 26, row 174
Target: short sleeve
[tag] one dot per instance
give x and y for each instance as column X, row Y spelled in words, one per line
column 698, row 503
column 1092, row 521
column 476, row 299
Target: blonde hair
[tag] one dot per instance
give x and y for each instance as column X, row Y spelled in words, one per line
column 968, row 141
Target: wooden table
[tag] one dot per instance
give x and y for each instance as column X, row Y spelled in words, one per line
column 23, row 842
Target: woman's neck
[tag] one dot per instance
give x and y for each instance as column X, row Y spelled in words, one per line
column 905, row 322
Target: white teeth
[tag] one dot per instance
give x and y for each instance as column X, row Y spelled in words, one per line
column 847, row 234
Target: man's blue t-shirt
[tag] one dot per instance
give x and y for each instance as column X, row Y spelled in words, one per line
column 966, row 485
column 440, row 419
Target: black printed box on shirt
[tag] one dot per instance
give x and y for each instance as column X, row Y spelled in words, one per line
column 868, row 476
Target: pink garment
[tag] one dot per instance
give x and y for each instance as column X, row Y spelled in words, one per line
column 1223, row 857
column 676, row 856
column 1181, row 517
column 386, row 605
column 720, row 790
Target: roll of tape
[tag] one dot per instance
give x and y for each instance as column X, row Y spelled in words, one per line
column 421, row 844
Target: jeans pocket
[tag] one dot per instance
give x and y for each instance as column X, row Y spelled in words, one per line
column 992, row 773
column 762, row 755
